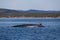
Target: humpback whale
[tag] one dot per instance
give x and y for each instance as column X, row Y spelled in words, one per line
column 29, row 25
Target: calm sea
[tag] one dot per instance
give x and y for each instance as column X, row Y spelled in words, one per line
column 51, row 31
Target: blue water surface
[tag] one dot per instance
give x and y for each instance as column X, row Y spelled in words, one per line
column 51, row 31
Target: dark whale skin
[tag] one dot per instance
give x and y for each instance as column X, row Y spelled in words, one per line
column 25, row 25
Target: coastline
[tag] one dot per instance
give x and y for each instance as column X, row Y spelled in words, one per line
column 31, row 17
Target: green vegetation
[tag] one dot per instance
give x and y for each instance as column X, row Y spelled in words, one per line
column 31, row 15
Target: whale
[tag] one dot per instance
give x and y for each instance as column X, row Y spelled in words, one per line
column 29, row 25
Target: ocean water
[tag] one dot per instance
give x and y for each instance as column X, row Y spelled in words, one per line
column 51, row 31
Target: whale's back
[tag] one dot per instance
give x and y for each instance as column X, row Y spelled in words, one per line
column 29, row 25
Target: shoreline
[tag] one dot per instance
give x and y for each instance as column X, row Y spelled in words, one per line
column 32, row 17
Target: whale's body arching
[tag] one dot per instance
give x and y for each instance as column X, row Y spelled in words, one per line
column 29, row 25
